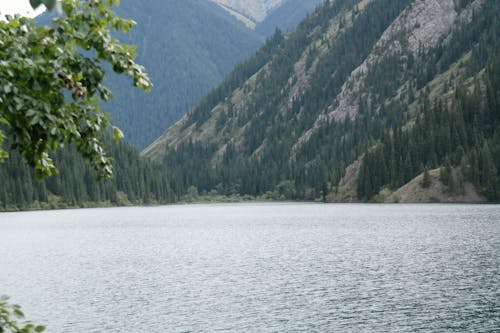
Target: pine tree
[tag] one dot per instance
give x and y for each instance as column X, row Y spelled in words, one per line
column 488, row 173
column 426, row 181
column 446, row 176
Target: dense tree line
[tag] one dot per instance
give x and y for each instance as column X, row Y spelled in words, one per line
column 464, row 133
column 136, row 181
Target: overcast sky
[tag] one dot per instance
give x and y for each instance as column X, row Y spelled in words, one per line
column 17, row 6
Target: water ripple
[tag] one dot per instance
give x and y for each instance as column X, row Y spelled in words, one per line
column 256, row 268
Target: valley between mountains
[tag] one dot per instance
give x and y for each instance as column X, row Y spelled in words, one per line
column 335, row 101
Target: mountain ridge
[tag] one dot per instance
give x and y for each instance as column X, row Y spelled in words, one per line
column 187, row 47
column 280, row 124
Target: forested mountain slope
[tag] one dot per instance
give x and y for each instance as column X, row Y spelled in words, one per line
column 385, row 89
column 264, row 16
column 187, row 47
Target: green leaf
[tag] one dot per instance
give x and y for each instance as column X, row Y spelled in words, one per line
column 18, row 313
column 117, row 134
column 35, row 120
column 39, row 328
column 30, row 113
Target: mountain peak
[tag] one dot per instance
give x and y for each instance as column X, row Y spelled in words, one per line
column 249, row 12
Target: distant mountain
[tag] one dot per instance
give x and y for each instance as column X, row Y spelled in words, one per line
column 264, row 16
column 363, row 101
column 187, row 47
column 250, row 12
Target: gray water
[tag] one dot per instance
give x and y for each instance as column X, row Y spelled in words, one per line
column 256, row 268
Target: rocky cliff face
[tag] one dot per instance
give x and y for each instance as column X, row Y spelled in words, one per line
column 419, row 27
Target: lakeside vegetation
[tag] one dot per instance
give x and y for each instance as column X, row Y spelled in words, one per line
column 136, row 181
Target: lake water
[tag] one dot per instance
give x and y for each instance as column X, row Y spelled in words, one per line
column 256, row 268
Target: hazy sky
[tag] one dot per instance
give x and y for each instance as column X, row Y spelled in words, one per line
column 17, row 6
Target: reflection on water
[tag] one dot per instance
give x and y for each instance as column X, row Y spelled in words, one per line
column 256, row 268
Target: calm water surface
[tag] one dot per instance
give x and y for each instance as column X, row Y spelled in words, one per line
column 256, row 268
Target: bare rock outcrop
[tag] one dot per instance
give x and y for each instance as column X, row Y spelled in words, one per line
column 420, row 26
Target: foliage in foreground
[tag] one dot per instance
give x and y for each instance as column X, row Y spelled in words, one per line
column 51, row 79
column 10, row 314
